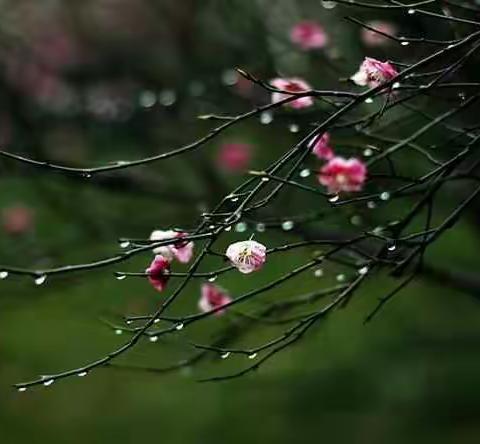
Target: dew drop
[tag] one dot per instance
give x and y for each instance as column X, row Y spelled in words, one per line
column 120, row 277
column 411, row 11
column 385, row 195
column 156, row 321
column 293, row 128
column 328, row 4
column 87, row 175
column 260, row 227
column 368, row 152
column 40, row 280
column 396, row 85
column 229, row 228
column 371, row 205
column 363, row 270
column 341, row 277
column 304, row 173
column 287, row 225
column 318, row 273
column 48, row 382
column 179, row 326
column 118, row 331
column 368, row 100
column 265, row 179
column 153, row 338
column 124, row 244
column 334, row 198
column 213, row 278
column 405, row 43
column 82, row 374
column 22, row 389
column 225, row 355
column 392, row 247
column 3, row 274
column 129, row 322
column 241, row 227
column 252, row 356
column 266, row 117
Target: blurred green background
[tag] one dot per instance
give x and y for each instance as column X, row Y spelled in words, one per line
column 86, row 83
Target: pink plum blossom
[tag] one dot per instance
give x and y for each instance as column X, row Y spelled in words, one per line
column 213, row 297
column 308, row 34
column 321, row 146
column 247, row 256
column 234, row 157
column 372, row 73
column 341, row 174
column 371, row 38
column 295, row 85
column 17, row 219
column 158, row 272
column 180, row 250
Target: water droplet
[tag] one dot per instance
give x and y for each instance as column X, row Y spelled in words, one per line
column 328, row 4
column 167, row 97
column 40, row 280
column 411, row 11
column 229, row 228
column 265, row 179
column 371, row 205
column 385, row 195
column 378, row 230
column 363, row 270
column 318, row 273
column 229, row 77
column 156, row 321
column 405, row 43
column 179, row 326
column 124, row 244
column 82, row 374
column 266, row 117
column 48, row 382
column 153, row 338
column 225, row 355
column 22, row 389
column 304, row 173
column 368, row 152
column 341, row 277
column 392, row 247
column 252, row 356
column 241, row 227
column 462, row 96
column 120, row 277
column 260, row 227
column 234, row 199
column 3, row 274
column 334, row 198
column 293, row 128
column 287, row 225
column 118, row 331
column 396, row 85
column 129, row 322
column 368, row 100
column 356, row 220
column 213, row 278
column 147, row 99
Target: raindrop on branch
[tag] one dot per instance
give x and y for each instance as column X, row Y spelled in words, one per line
column 124, row 244
column 266, row 118
column 328, row 4
column 293, row 128
column 22, row 389
column 362, row 271
column 229, row 77
column 82, row 374
column 225, row 355
column 40, row 280
column 411, row 11
column 118, row 331
column 392, row 247
column 368, row 100
column 368, row 152
column 371, row 205
column 385, row 195
column 48, row 382
column 179, row 326
column 304, row 173
column 153, row 338
column 287, row 225
column 147, row 99
column 213, row 278
column 318, row 273
column 260, row 227
column 334, row 198
column 241, row 227
column 3, row 274
column 252, row 356
column 120, row 277
column 341, row 277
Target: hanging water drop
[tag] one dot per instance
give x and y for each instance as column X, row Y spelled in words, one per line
column 362, row 271
column 260, row 227
column 120, row 276
column 225, row 355
column 265, row 179
column 341, row 277
column 179, row 326
column 356, row 220
column 304, row 173
column 328, row 4
column 213, row 278
column 229, row 228
column 124, row 244
column 147, row 99
column 411, row 11
column 392, row 247
column 385, row 195
column 405, row 43
column 252, row 356
column 318, row 273
column 293, row 128
column 367, row 152
column 87, row 175
column 153, row 338
column 334, row 198
column 118, row 331
column 3, row 274
column 371, row 205
column 156, row 321
column 22, row 389
column 48, row 382
column 368, row 100
column 40, row 280
column 287, row 225
column 241, row 227
column 396, row 85
column 82, row 374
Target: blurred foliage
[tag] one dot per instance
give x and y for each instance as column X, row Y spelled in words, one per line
column 87, row 83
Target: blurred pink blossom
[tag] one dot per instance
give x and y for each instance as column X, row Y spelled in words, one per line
column 308, row 34
column 213, row 297
column 158, row 272
column 321, row 146
column 295, row 85
column 372, row 73
column 341, row 174
column 234, row 157
column 17, row 219
column 371, row 38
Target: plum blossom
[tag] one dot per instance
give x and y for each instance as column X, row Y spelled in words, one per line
column 17, row 219
column 308, row 34
column 295, row 85
column 371, row 38
column 180, row 250
column 320, row 146
column 372, row 73
column 213, row 297
column 341, row 174
column 158, row 272
column 234, row 157
column 247, row 256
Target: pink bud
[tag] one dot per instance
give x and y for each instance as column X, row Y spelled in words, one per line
column 308, row 34
column 17, row 219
